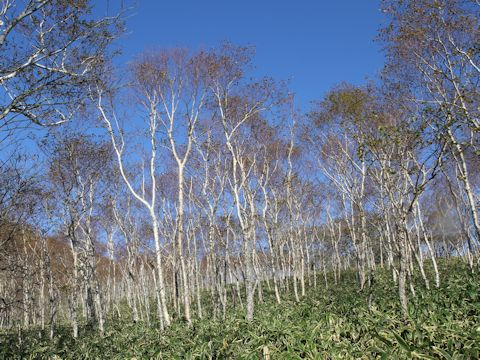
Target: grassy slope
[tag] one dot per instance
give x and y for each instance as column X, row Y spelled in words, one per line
column 333, row 323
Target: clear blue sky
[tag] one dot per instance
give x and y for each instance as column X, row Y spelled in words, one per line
column 315, row 44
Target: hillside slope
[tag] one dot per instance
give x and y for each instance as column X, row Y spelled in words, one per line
column 333, row 322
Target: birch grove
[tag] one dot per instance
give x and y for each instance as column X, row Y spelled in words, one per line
column 199, row 187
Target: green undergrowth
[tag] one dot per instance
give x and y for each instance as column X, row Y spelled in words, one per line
column 329, row 323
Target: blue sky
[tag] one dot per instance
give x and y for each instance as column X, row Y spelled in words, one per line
column 314, row 44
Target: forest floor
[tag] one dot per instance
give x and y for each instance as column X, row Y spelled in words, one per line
column 333, row 322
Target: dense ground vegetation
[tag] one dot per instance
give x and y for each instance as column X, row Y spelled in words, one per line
column 331, row 322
